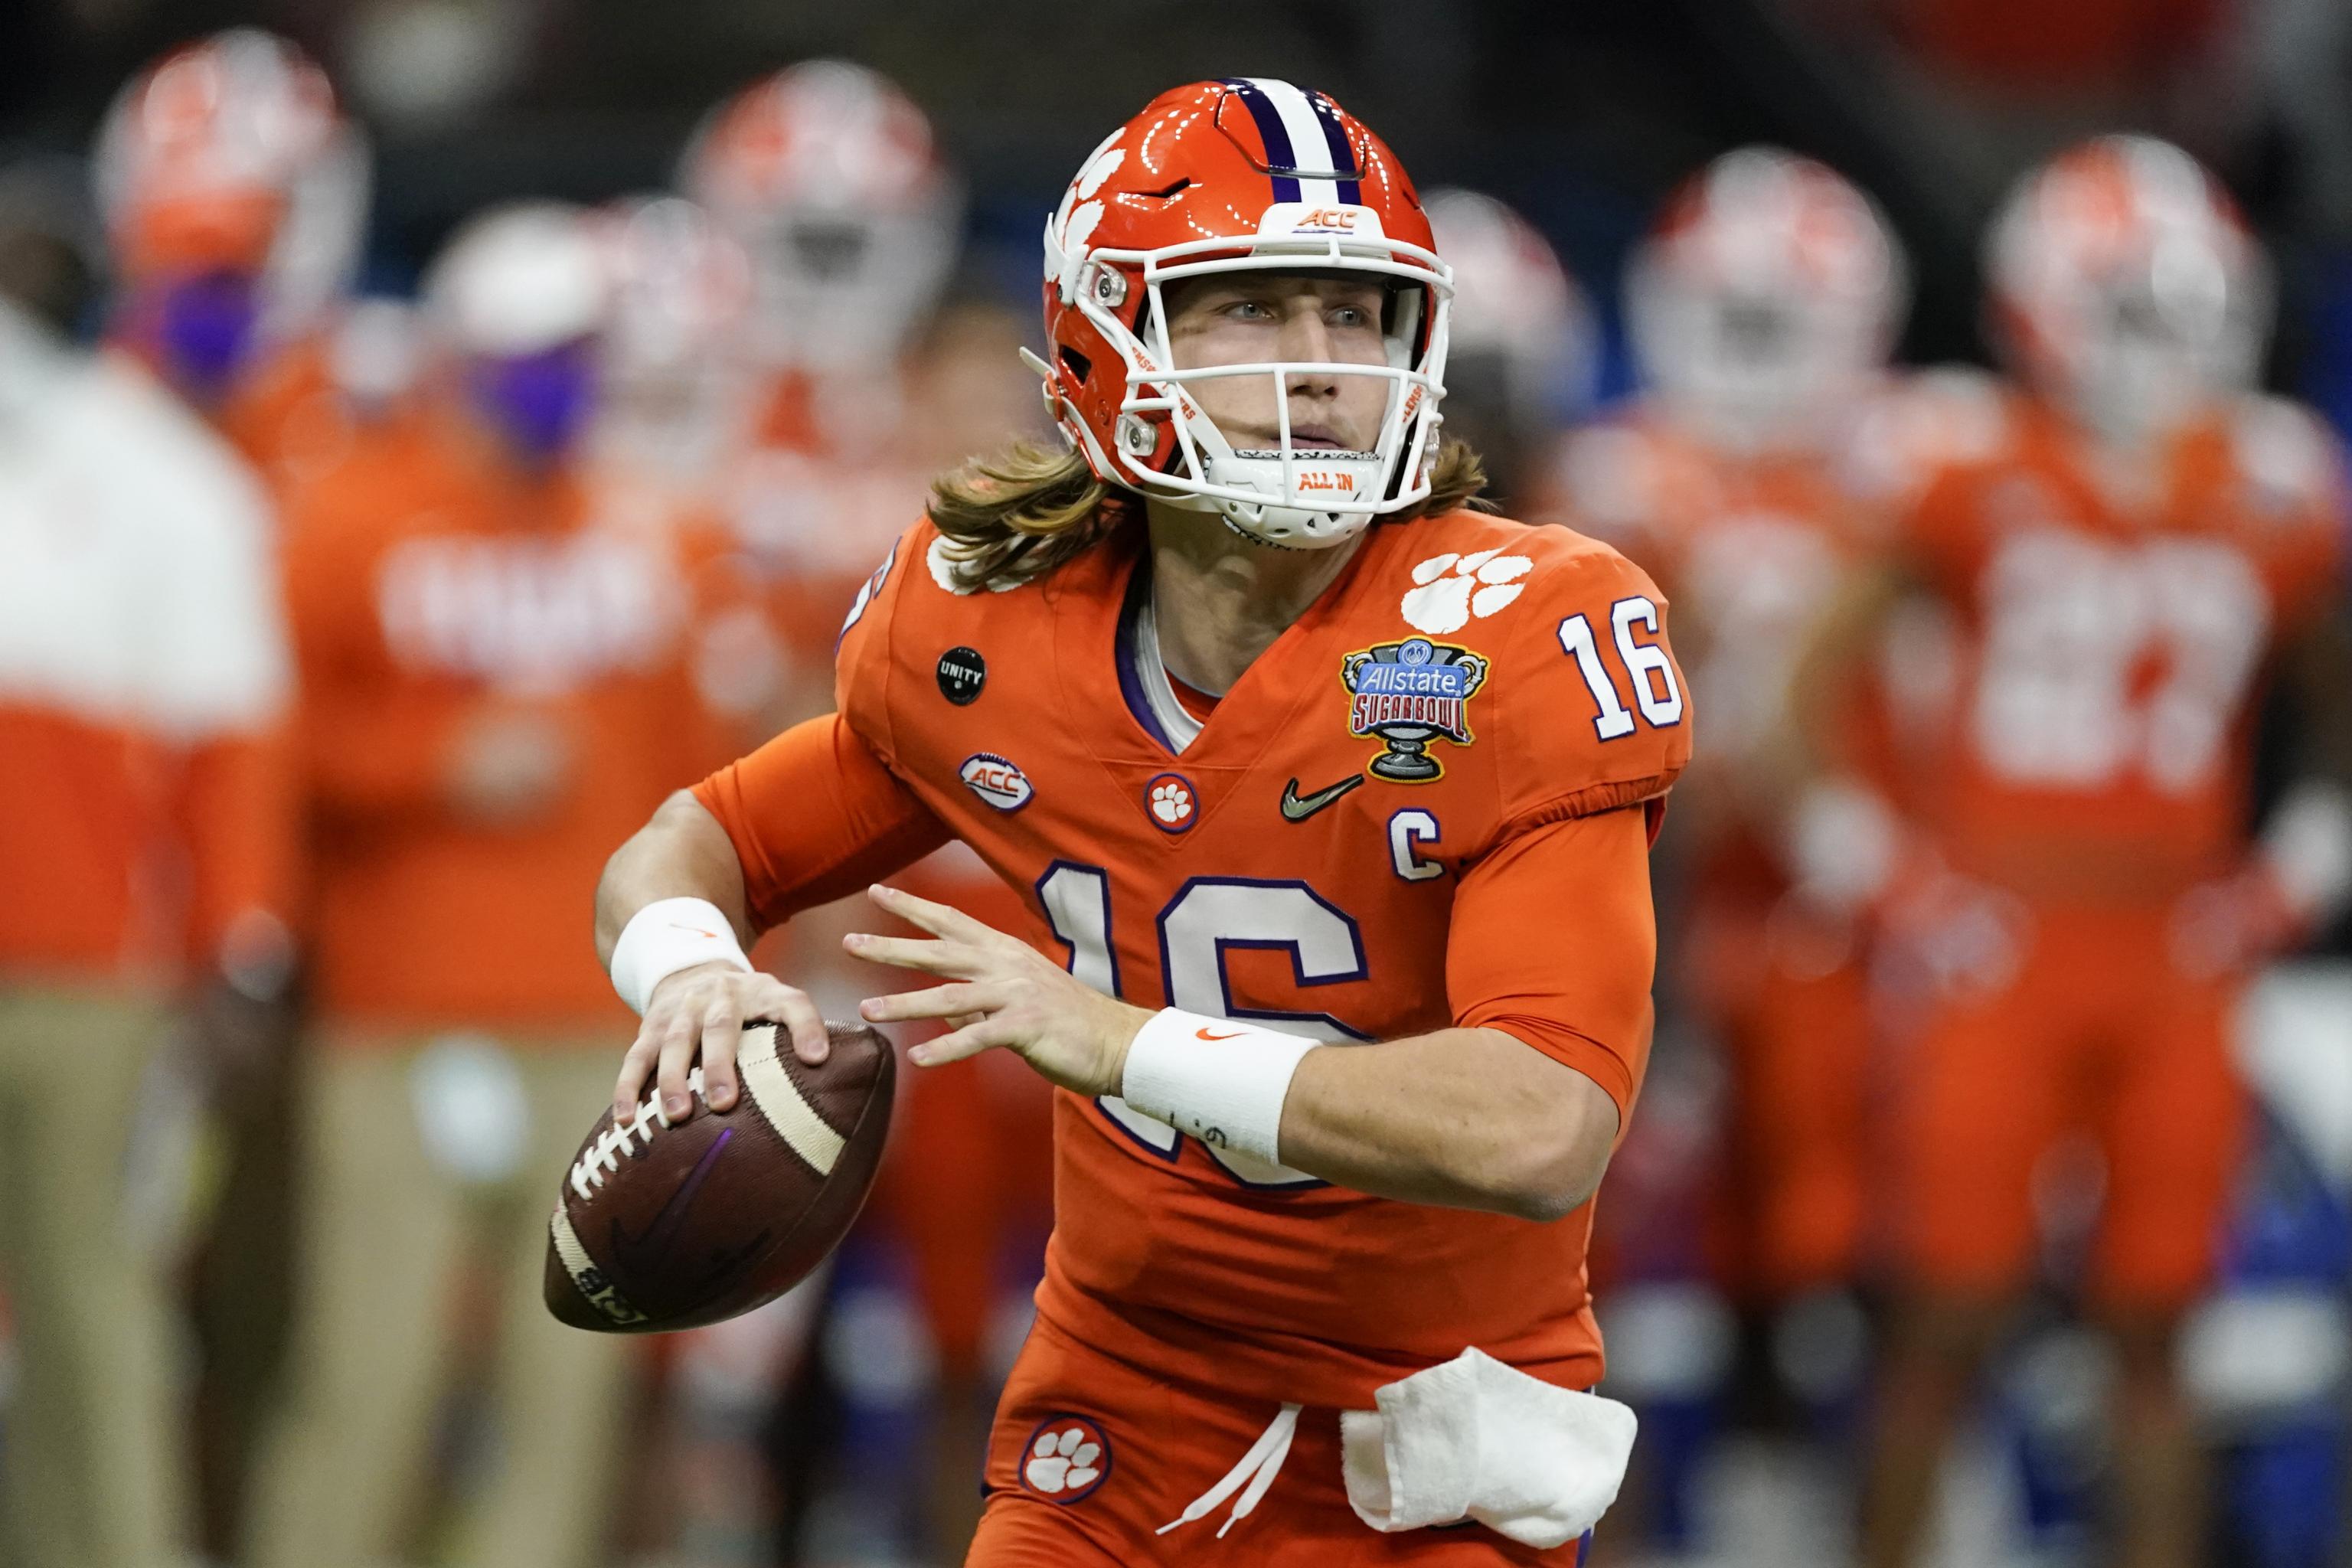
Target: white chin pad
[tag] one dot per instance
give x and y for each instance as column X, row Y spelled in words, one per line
column 1288, row 517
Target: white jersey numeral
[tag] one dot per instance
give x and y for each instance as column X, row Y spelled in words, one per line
column 1647, row 666
column 2102, row 660
column 1206, row 917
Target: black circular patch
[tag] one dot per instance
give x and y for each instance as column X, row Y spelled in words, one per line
column 963, row 672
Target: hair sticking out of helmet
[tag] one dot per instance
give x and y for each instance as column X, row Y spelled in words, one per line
column 2126, row 287
column 1766, row 297
column 518, row 299
column 829, row 177
column 1222, row 181
column 227, row 171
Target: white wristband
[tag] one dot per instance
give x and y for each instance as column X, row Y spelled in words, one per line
column 669, row 935
column 1220, row 1081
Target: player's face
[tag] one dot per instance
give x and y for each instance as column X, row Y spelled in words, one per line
column 1252, row 318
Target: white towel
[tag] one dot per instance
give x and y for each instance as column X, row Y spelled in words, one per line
column 1474, row 1438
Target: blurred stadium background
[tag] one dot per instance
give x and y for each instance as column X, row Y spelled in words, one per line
column 844, row 1428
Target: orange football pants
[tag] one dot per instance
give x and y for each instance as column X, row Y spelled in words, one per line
column 2094, row 1031
column 1091, row 1456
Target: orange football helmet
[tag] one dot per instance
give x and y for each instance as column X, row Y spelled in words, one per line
column 1245, row 174
column 231, row 152
column 2124, row 283
column 828, row 176
column 1766, row 297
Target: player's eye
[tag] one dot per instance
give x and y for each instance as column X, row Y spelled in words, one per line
column 1249, row 311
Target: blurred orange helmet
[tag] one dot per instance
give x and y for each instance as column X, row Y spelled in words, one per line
column 1248, row 174
column 231, row 154
column 2122, row 281
column 828, row 176
column 1513, row 300
column 1767, row 293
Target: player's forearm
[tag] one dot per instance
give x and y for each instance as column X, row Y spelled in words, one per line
column 681, row 853
column 1465, row 1118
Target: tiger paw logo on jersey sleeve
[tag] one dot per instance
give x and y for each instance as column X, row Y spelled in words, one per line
column 1409, row 694
column 1451, row 591
column 1065, row 1459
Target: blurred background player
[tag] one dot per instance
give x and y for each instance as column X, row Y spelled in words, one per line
column 144, row 845
column 827, row 176
column 234, row 198
column 496, row 678
column 1762, row 309
column 2137, row 546
column 236, row 193
column 838, row 395
column 1524, row 363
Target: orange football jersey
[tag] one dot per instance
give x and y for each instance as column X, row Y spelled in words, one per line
column 1363, row 841
column 2104, row 655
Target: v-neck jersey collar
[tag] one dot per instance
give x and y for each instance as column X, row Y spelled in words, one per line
column 1248, row 718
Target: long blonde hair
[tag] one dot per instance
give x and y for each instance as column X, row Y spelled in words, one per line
column 1019, row 514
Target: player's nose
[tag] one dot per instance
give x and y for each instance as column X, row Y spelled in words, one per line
column 1306, row 340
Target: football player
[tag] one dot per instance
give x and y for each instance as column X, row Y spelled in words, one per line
column 1525, row 359
column 2134, row 545
column 828, row 177
column 1329, row 797
column 496, row 680
column 1762, row 309
column 234, row 194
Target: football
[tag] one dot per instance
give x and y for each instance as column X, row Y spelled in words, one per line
column 670, row 1224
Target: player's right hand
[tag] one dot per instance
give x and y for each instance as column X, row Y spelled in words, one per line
column 697, row 1015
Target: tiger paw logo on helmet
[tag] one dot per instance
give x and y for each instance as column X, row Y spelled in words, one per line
column 1065, row 1459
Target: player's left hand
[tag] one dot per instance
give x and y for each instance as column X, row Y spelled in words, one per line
column 1002, row 992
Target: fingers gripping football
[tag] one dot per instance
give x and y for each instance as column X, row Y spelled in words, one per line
column 1001, row 991
column 697, row 1015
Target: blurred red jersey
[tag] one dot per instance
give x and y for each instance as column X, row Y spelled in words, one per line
column 2105, row 652
column 1347, row 846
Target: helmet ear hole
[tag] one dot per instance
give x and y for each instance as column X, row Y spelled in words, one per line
column 1077, row 364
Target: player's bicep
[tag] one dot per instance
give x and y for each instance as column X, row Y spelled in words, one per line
column 1554, row 942
column 815, row 815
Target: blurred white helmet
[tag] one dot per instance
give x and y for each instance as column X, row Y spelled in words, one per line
column 228, row 159
column 518, row 298
column 1766, row 299
column 1515, row 303
column 2124, row 284
column 829, row 177
column 675, row 381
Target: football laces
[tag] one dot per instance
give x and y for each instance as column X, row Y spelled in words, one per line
column 603, row 1157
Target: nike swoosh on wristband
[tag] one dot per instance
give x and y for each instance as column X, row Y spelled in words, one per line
column 637, row 1256
column 1298, row 808
column 1205, row 1035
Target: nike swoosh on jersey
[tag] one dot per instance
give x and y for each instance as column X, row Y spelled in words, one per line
column 637, row 1256
column 1298, row 808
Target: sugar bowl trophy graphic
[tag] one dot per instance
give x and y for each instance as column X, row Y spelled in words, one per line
column 1408, row 694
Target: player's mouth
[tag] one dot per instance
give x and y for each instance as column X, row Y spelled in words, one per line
column 1310, row 437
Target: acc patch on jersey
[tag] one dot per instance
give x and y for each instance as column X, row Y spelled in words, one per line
column 1409, row 694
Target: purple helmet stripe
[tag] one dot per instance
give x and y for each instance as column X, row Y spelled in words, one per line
column 1343, row 156
column 1280, row 160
